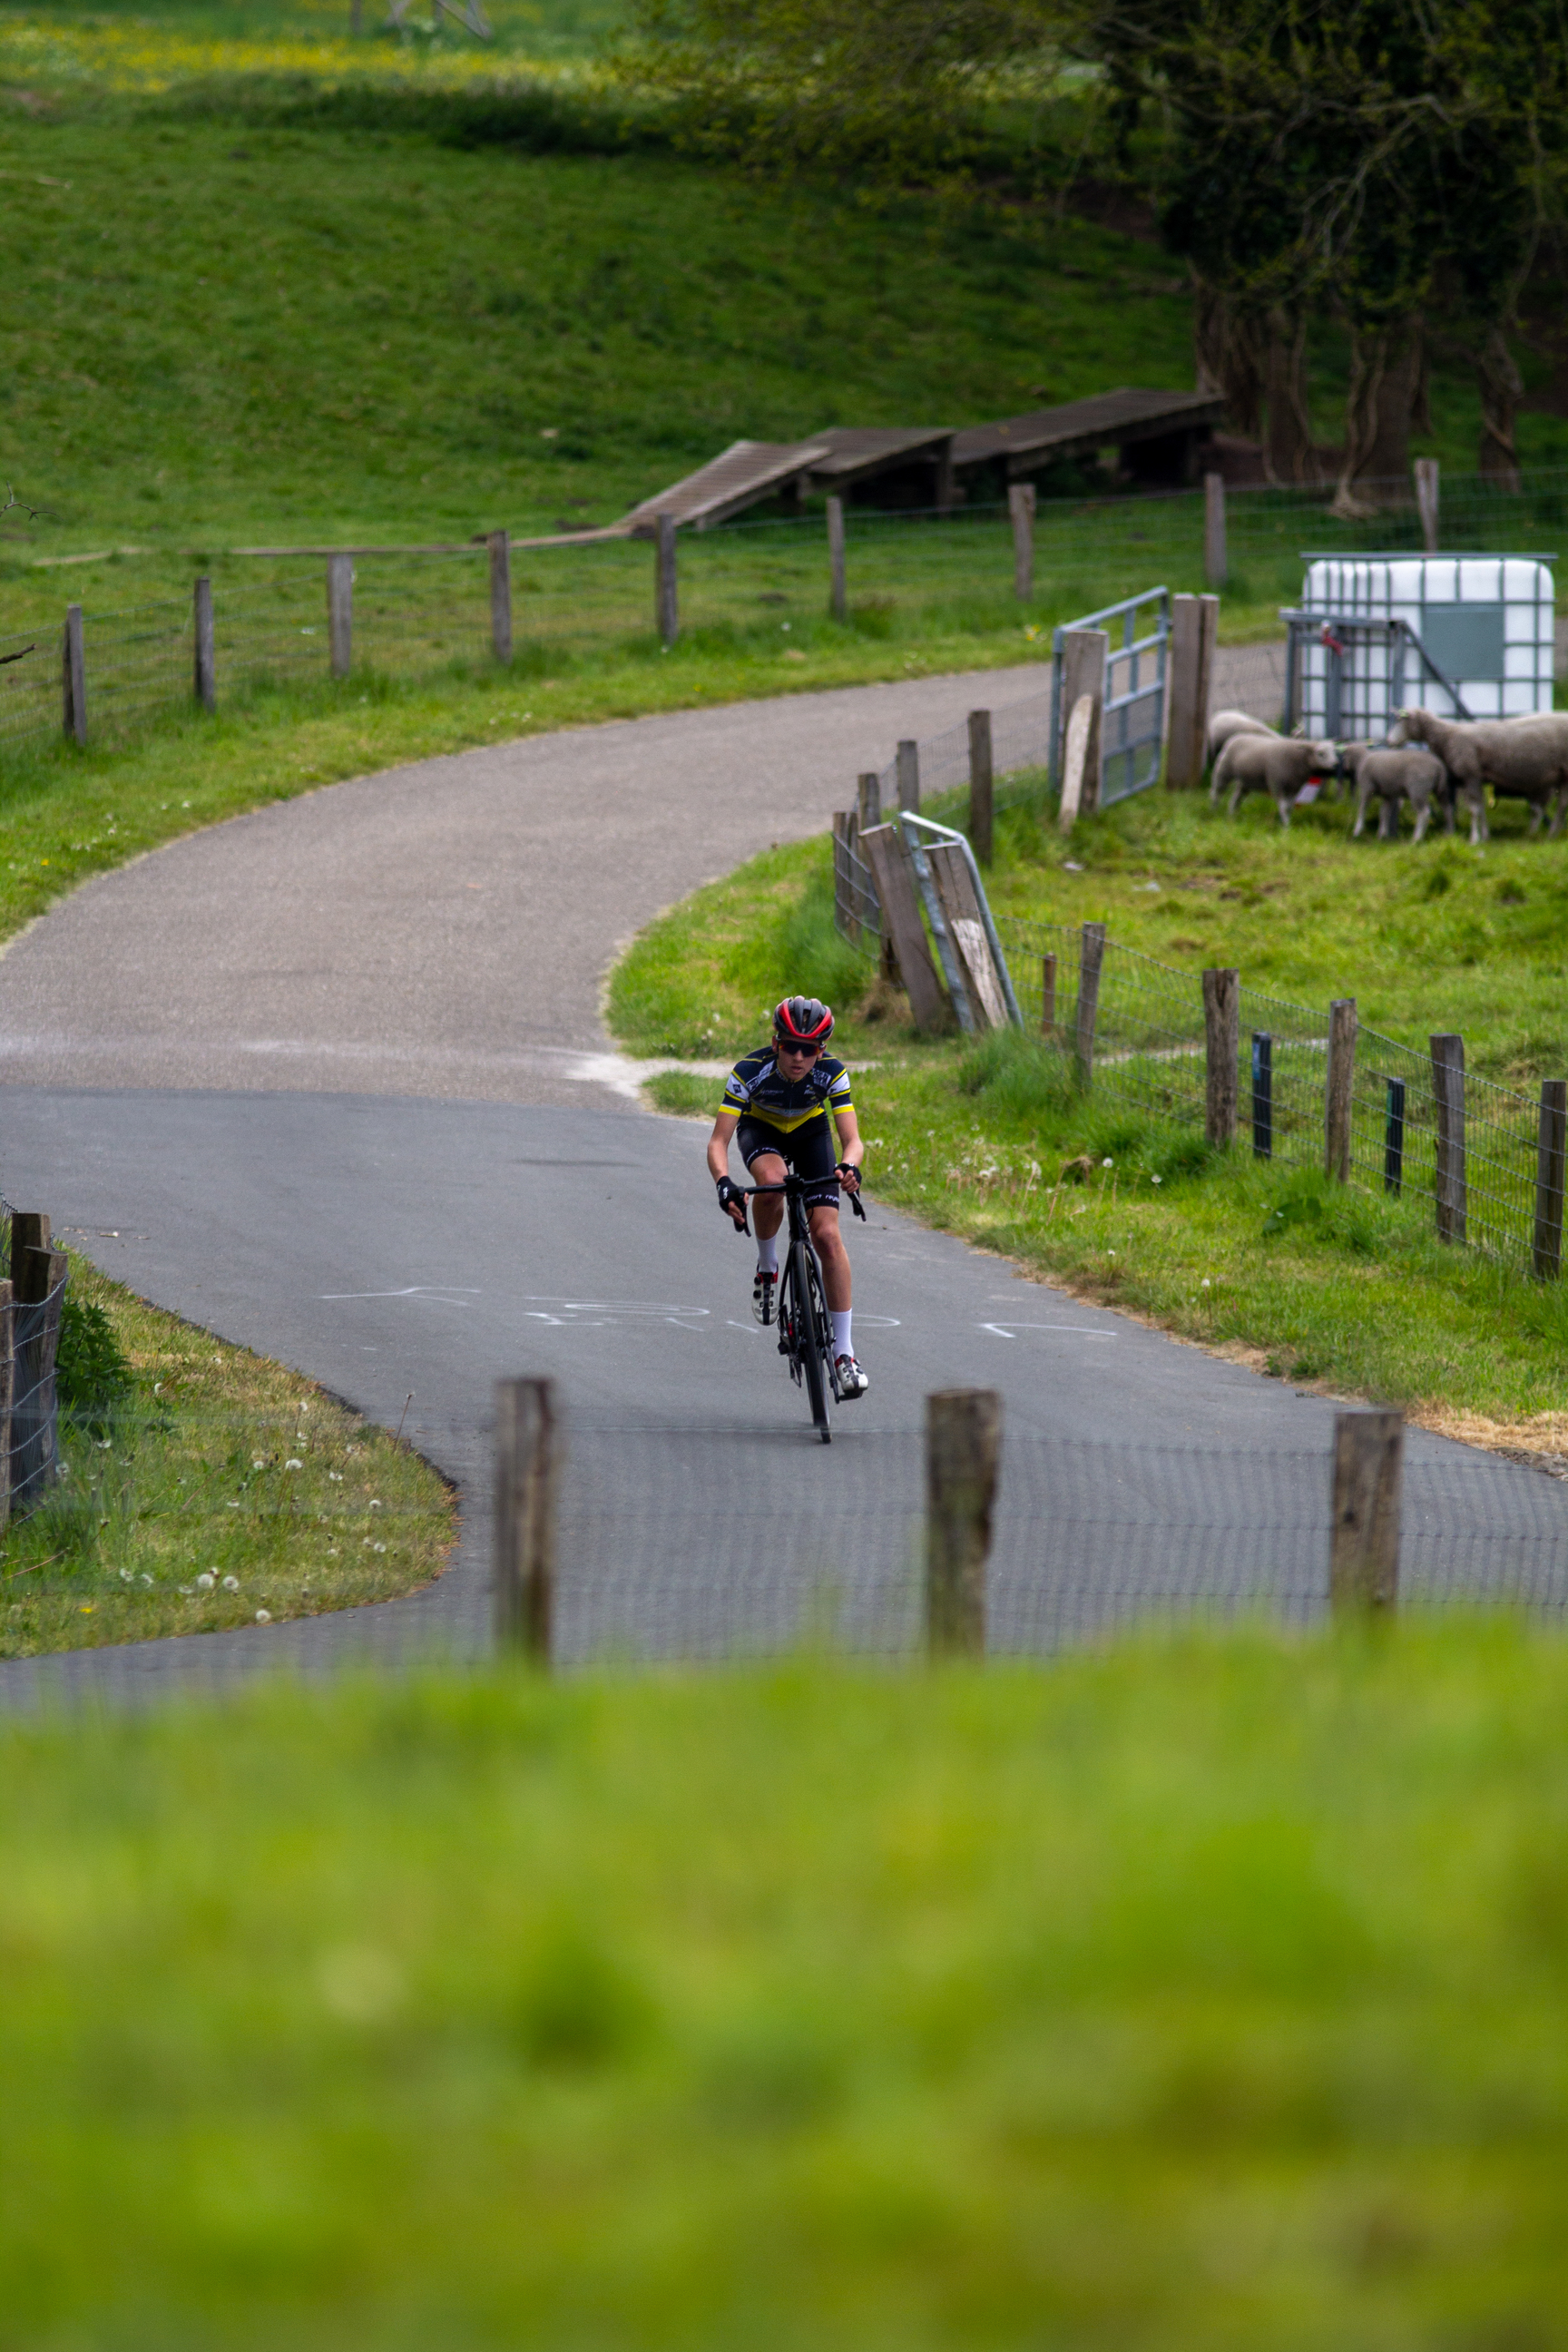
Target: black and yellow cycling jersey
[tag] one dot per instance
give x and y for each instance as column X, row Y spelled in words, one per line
column 757, row 1088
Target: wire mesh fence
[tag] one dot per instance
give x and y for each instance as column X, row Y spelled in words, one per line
column 706, row 1543
column 1469, row 1149
column 759, row 583
column 31, row 1459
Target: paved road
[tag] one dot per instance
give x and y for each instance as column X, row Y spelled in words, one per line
column 441, row 929
column 330, row 1081
column 386, row 1244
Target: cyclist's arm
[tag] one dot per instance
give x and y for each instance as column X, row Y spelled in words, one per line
column 724, row 1127
column 851, row 1150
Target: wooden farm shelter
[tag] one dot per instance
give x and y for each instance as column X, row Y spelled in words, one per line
column 739, row 477
column 1157, row 435
column 916, row 457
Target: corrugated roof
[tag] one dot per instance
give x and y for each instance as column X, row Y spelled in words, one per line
column 1126, row 415
column 743, row 473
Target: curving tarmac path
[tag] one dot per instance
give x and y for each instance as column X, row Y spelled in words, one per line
column 332, row 1080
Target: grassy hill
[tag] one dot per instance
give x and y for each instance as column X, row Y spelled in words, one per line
column 266, row 283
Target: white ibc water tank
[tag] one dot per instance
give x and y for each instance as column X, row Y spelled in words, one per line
column 1485, row 621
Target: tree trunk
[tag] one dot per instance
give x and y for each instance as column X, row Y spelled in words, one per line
column 1289, row 455
column 1502, row 389
column 1225, row 351
column 1386, row 381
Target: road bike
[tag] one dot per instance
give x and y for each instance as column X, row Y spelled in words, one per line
column 805, row 1327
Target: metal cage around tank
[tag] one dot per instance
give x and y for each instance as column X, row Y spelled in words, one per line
column 1467, row 637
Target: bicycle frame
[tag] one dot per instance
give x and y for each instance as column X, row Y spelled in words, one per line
column 805, row 1334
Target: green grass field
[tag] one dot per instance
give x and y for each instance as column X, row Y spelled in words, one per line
column 206, row 1487
column 1346, row 1290
column 1206, row 1995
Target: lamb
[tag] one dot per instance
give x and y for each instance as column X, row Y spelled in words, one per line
column 1525, row 758
column 1413, row 774
column 1226, row 723
column 1271, row 763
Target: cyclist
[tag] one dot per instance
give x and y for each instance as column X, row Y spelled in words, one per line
column 781, row 1104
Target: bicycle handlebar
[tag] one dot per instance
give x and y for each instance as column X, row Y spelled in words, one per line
column 793, row 1183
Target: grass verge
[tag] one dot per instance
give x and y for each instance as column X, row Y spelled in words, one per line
column 206, row 1487
column 1212, row 1993
column 1331, row 1288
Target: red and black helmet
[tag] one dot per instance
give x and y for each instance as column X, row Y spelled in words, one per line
column 802, row 1020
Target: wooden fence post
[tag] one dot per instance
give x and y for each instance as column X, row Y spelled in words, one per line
column 667, row 586
column 8, row 1392
column 1194, row 620
column 1090, row 957
column 1213, row 529
column 341, row 612
column 910, row 776
column 1448, row 1098
column 982, row 792
column 528, row 1448
column 73, row 676
column 1550, row 1150
column 869, row 800
column 37, row 1276
column 1363, row 1550
column 1222, row 1047
column 1085, row 653
column 499, row 545
column 1048, row 996
column 964, row 1446
column 1262, row 1095
column 838, row 586
column 1339, row 1092
column 1426, row 471
column 903, row 929
column 203, row 682
column 1021, row 507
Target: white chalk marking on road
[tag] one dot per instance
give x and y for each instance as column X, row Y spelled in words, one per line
column 441, row 1296
column 665, row 1309
column 1011, row 1331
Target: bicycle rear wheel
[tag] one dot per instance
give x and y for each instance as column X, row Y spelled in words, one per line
column 814, row 1339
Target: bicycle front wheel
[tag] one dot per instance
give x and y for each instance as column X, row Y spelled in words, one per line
column 814, row 1340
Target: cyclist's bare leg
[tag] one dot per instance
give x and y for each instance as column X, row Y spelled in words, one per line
column 831, row 1256
column 768, row 1213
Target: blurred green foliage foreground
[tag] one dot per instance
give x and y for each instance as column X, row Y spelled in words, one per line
column 1207, row 1994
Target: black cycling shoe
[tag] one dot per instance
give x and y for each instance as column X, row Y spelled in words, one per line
column 852, row 1381
column 763, row 1287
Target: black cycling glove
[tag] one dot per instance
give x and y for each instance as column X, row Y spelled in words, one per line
column 731, row 1195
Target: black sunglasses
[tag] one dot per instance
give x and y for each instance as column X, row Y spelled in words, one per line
column 810, row 1051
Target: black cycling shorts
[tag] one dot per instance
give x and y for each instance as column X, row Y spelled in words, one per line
column 805, row 1151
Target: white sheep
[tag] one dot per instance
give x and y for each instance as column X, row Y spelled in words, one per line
column 1226, row 723
column 1413, row 774
column 1270, row 764
column 1522, row 759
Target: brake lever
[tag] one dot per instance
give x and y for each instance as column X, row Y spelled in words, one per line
column 855, row 1205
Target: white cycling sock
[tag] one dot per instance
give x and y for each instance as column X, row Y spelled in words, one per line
column 841, row 1332
column 767, row 1254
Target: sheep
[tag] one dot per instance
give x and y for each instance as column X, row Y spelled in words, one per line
column 1525, row 758
column 1226, row 723
column 1270, row 764
column 1413, row 774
